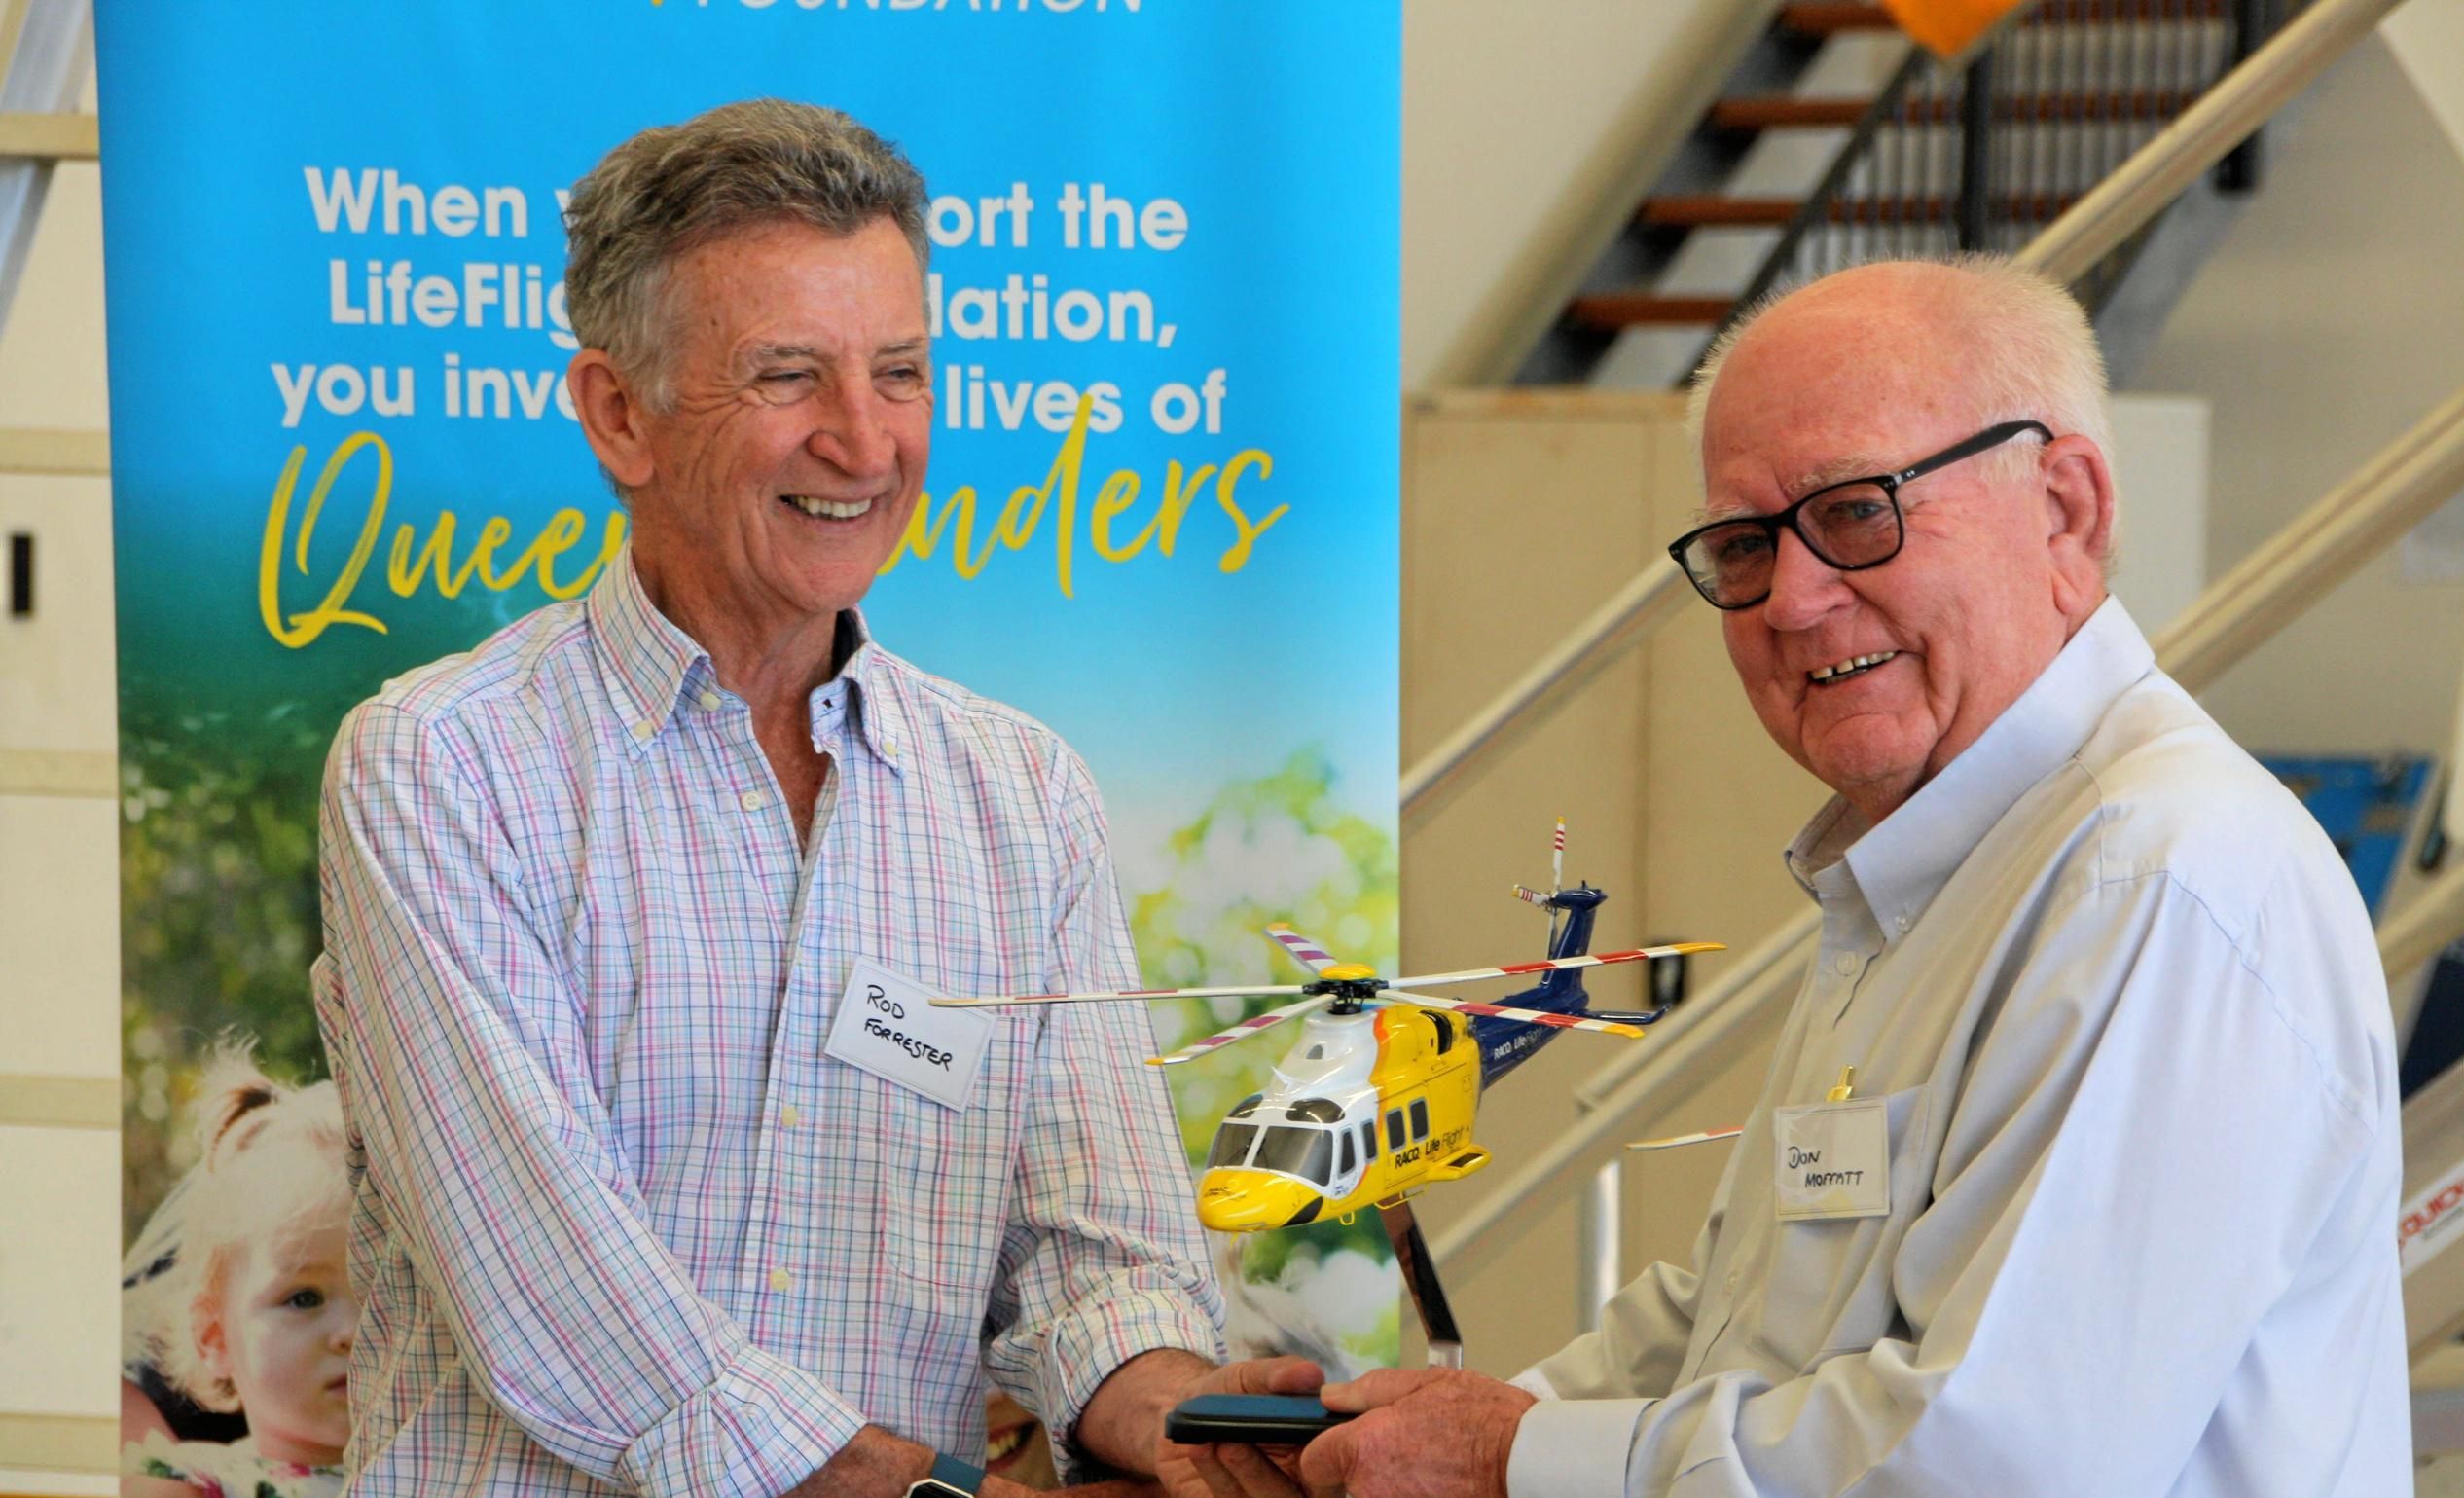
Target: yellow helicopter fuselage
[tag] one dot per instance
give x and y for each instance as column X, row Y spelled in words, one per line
column 1366, row 1108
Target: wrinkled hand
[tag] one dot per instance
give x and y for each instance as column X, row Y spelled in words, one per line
column 1425, row 1433
column 1239, row 1471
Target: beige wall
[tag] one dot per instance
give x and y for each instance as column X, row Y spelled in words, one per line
column 2331, row 320
column 59, row 906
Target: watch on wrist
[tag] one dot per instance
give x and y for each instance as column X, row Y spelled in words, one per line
column 950, row 1477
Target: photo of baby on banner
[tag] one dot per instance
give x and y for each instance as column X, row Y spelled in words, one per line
column 237, row 1315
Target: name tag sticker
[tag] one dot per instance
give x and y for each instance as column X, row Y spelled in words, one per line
column 886, row 1026
column 1834, row 1160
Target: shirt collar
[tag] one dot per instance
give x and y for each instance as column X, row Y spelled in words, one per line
column 1903, row 863
column 865, row 693
column 647, row 659
column 652, row 666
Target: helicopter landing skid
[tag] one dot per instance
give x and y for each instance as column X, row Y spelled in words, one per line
column 1420, row 1277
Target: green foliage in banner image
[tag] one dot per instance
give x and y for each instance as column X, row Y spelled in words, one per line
column 1279, row 847
column 219, row 915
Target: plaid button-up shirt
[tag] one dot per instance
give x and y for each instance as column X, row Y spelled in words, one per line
column 620, row 1222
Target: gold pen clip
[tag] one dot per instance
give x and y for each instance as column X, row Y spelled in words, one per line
column 1847, row 1087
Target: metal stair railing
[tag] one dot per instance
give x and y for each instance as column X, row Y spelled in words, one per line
column 2396, row 489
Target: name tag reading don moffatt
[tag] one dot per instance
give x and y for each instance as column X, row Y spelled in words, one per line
column 1834, row 1160
column 887, row 1025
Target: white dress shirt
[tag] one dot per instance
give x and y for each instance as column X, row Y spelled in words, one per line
column 2123, row 1005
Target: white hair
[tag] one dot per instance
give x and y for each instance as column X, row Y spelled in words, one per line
column 2033, row 353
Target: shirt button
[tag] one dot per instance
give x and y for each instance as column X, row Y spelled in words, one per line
column 752, row 800
column 889, row 746
column 1903, row 923
column 711, row 701
column 790, row 1115
column 1732, row 1281
column 781, row 1280
column 643, row 731
column 1844, row 963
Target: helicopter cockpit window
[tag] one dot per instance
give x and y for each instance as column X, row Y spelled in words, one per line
column 1231, row 1145
column 1247, row 1105
column 1308, row 1153
column 1368, row 1141
column 1315, row 1110
column 1350, row 1160
column 1315, row 1052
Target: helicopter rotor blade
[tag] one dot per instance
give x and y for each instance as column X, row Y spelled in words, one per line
column 1239, row 991
column 1548, row 1017
column 1303, row 949
column 1239, row 1032
column 1555, row 964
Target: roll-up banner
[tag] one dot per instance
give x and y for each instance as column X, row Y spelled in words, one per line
column 1161, row 513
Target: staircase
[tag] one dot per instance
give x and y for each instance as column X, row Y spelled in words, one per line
column 1836, row 142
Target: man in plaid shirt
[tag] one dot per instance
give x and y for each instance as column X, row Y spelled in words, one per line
column 667, row 1180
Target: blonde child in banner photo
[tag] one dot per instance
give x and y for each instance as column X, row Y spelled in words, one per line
column 255, row 1314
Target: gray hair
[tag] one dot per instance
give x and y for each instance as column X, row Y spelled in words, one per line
column 675, row 188
column 2035, row 352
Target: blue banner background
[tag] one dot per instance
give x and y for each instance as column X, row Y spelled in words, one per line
column 1239, row 711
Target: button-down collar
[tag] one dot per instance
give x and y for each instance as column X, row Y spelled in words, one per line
column 655, row 669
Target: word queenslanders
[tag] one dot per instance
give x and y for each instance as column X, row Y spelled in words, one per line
column 413, row 563
column 1016, row 525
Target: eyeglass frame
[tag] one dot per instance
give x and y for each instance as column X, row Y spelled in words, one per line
column 1889, row 482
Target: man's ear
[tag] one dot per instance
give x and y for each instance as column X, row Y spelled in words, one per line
column 2079, row 523
column 611, row 412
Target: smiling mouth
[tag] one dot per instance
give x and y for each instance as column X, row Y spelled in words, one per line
column 828, row 509
column 1855, row 666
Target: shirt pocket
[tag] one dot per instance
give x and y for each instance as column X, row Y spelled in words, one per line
column 1827, row 1284
column 947, row 1186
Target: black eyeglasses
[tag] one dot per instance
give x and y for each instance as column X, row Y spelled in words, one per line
column 1852, row 525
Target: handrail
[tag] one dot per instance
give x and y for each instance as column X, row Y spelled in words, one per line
column 2322, row 546
column 2238, row 103
column 2118, row 207
column 2396, row 489
column 1638, row 607
column 1621, row 1091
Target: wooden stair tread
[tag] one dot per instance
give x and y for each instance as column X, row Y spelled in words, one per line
column 1713, row 212
column 1775, row 112
column 1637, row 310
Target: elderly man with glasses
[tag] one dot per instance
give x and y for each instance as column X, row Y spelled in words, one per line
column 2076, row 1168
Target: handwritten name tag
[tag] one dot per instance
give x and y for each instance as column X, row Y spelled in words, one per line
column 1834, row 1160
column 885, row 1026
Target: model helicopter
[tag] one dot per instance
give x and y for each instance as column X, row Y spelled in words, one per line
column 1376, row 1099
